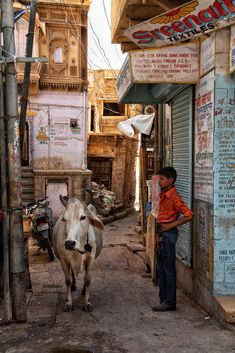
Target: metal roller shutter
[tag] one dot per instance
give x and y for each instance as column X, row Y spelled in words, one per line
column 182, row 154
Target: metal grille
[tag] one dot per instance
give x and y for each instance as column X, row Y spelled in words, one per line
column 182, row 161
column 73, row 70
column 101, row 171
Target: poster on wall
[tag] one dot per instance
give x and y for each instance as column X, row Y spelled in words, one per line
column 207, row 54
column 179, row 64
column 204, row 126
column 224, row 154
column 185, row 22
column 232, row 50
column 167, row 136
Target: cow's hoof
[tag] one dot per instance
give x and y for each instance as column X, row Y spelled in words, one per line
column 68, row 307
column 87, row 307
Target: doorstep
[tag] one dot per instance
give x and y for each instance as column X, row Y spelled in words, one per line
column 226, row 308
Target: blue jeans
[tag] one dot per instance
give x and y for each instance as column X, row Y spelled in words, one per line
column 166, row 267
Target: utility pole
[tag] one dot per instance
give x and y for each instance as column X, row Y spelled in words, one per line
column 17, row 265
column 4, row 202
column 29, row 52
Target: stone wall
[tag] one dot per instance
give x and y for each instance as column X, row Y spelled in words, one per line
column 123, row 153
column 214, row 193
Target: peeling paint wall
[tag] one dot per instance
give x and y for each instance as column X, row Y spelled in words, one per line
column 58, row 132
column 214, row 250
column 224, row 186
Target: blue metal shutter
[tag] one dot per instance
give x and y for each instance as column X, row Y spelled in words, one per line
column 182, row 154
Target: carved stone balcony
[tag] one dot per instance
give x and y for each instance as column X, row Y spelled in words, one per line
column 34, row 75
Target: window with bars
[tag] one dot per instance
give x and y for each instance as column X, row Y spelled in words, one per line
column 101, row 171
column 113, row 109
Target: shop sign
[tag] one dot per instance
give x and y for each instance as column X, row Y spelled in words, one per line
column 178, row 64
column 232, row 50
column 204, row 137
column 183, row 23
column 124, row 80
column 207, row 55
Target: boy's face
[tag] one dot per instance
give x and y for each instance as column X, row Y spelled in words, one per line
column 164, row 182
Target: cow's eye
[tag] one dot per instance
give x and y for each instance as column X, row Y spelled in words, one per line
column 82, row 218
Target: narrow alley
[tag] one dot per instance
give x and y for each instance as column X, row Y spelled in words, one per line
column 122, row 320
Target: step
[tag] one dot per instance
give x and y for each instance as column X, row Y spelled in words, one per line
column 27, row 168
column 27, row 199
column 26, row 174
column 226, row 308
column 28, row 189
column 27, row 181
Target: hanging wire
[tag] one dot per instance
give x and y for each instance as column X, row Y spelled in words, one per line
column 76, row 32
column 105, row 12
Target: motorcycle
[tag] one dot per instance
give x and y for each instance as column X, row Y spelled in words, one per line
column 41, row 224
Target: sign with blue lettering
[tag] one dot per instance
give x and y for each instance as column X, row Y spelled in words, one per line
column 232, row 49
column 183, row 23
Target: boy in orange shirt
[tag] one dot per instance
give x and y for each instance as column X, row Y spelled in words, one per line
column 170, row 207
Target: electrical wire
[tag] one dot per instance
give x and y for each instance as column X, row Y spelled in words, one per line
column 98, row 44
column 106, row 15
column 77, row 31
column 76, row 28
column 76, row 34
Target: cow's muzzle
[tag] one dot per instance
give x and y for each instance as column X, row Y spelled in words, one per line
column 70, row 244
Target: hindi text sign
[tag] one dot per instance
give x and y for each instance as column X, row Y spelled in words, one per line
column 178, row 64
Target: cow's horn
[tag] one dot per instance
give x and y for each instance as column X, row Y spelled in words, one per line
column 63, row 200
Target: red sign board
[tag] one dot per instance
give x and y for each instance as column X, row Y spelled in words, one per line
column 183, row 23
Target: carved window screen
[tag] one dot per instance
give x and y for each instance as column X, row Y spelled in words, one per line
column 58, row 55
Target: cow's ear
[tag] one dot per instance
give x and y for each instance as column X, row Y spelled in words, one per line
column 62, row 217
column 96, row 222
column 63, row 200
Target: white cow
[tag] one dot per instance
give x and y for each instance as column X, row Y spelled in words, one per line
column 77, row 241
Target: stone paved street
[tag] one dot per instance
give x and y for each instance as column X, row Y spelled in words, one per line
column 122, row 320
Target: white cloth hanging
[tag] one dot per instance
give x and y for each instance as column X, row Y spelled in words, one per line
column 142, row 123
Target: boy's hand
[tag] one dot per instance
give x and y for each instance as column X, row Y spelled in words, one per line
column 179, row 222
column 166, row 226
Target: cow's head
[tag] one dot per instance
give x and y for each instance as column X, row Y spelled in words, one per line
column 78, row 219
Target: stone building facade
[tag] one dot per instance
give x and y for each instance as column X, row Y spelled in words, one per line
column 56, row 146
column 111, row 155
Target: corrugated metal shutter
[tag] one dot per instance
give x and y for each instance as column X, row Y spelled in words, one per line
column 182, row 154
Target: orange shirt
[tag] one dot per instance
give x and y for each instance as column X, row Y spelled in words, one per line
column 171, row 206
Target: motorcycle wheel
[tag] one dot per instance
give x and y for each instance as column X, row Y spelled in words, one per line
column 49, row 249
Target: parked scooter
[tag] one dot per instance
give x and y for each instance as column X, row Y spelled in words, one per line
column 41, row 224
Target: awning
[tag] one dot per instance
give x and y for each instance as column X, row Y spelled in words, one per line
column 155, row 75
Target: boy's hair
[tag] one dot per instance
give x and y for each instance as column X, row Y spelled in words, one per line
column 168, row 172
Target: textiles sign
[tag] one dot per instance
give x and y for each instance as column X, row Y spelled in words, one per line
column 185, row 22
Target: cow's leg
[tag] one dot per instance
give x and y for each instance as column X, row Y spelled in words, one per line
column 87, row 306
column 73, row 285
column 68, row 282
